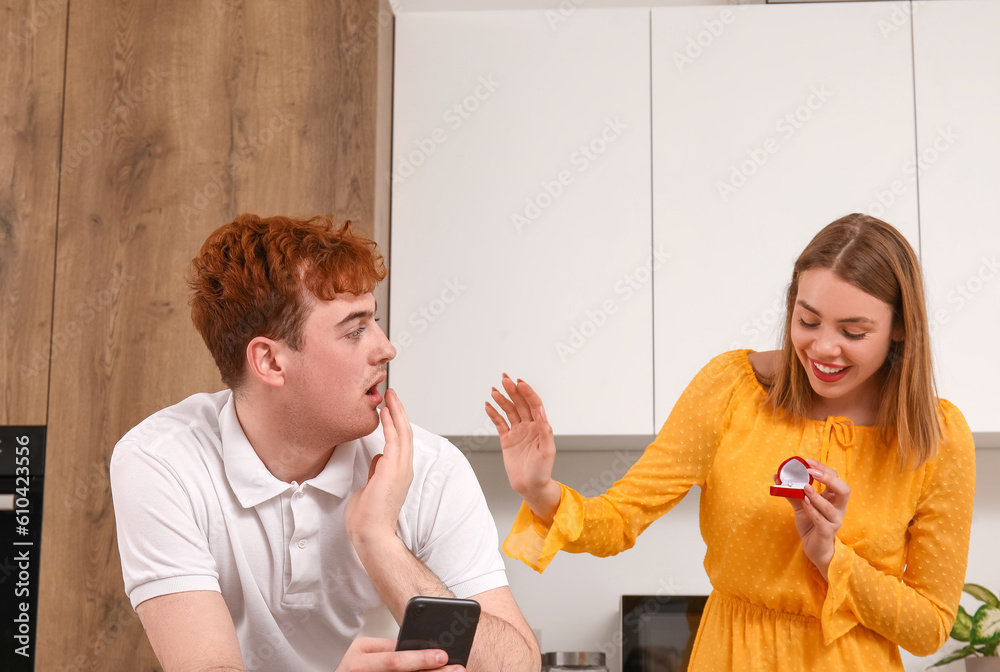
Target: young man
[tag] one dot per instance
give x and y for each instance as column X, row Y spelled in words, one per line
column 258, row 526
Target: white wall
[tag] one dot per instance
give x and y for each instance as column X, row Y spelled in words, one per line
column 574, row 605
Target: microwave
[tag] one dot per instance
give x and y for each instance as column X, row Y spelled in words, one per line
column 658, row 631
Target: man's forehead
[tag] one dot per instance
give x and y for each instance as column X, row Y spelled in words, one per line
column 347, row 304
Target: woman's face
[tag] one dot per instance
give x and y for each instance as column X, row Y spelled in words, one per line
column 841, row 335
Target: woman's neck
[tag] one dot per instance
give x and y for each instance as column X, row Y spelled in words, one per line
column 861, row 406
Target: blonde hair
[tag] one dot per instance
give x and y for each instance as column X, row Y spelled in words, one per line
column 876, row 258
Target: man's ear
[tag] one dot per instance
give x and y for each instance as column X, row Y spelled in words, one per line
column 266, row 358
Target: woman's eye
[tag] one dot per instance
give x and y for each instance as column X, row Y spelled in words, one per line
column 855, row 337
column 808, row 325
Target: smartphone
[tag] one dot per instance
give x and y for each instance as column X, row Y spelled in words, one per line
column 439, row 623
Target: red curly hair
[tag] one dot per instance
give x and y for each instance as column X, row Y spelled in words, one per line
column 249, row 277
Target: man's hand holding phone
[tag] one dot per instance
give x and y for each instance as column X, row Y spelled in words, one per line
column 370, row 654
column 440, row 623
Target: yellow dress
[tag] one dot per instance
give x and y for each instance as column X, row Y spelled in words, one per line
column 899, row 560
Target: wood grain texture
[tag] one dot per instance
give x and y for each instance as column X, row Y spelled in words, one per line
column 178, row 118
column 383, row 147
column 31, row 76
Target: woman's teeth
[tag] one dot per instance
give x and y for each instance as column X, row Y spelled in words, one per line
column 829, row 369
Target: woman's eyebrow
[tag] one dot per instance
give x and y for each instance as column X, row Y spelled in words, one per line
column 847, row 320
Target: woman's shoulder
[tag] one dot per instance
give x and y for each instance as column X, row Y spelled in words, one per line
column 765, row 364
column 745, row 369
column 949, row 412
column 955, row 431
column 953, row 466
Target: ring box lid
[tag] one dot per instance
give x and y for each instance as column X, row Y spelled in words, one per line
column 794, row 476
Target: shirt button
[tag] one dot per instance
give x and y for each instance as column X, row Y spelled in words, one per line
column 300, row 494
column 302, row 543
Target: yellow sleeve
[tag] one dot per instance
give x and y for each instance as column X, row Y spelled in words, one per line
column 678, row 458
column 917, row 613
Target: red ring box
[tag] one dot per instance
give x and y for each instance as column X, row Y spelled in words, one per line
column 794, row 475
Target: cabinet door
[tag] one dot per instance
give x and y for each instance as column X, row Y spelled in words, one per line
column 769, row 122
column 521, row 217
column 957, row 61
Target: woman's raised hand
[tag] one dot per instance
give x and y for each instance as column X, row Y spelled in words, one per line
column 529, row 450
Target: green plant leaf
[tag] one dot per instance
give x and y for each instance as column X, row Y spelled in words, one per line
column 969, row 650
column 982, row 594
column 986, row 626
column 963, row 625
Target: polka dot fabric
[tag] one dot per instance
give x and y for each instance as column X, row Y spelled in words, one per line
column 899, row 560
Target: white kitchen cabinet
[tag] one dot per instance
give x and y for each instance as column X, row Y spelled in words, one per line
column 957, row 59
column 521, row 217
column 769, row 122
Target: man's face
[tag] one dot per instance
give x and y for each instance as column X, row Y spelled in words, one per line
column 333, row 377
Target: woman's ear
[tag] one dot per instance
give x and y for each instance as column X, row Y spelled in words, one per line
column 266, row 360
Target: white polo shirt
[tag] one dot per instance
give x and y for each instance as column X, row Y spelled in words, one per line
column 196, row 509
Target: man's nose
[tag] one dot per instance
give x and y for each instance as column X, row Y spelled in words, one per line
column 385, row 350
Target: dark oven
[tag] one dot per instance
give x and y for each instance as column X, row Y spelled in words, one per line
column 658, row 631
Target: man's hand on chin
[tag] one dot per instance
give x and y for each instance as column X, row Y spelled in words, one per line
column 373, row 511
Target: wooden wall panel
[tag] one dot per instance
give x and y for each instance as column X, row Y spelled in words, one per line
column 31, row 81
column 383, row 146
column 178, row 118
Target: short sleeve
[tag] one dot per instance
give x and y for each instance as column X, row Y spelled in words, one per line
column 450, row 527
column 679, row 458
column 163, row 548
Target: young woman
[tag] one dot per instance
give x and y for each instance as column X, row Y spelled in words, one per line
column 799, row 584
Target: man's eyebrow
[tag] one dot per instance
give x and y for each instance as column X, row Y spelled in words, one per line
column 357, row 314
column 847, row 320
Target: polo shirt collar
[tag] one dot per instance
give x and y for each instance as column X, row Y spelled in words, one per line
column 248, row 477
column 253, row 483
column 337, row 476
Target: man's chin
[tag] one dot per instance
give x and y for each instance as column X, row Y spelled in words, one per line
column 361, row 428
column 372, row 423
